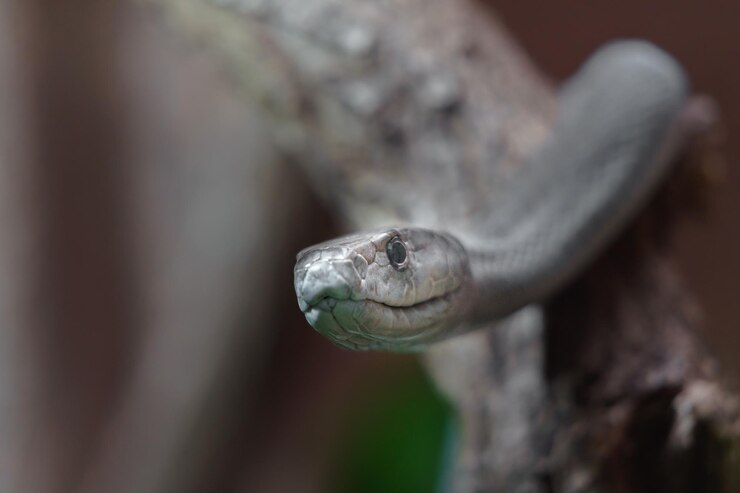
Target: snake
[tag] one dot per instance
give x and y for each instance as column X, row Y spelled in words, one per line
column 404, row 287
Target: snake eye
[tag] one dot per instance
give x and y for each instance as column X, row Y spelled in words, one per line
column 396, row 251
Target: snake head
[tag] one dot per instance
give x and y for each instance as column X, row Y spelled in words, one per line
column 396, row 289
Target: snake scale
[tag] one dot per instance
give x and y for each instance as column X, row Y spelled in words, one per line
column 404, row 287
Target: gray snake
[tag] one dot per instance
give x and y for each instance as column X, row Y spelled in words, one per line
column 402, row 288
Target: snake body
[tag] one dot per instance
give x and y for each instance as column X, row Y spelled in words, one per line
column 402, row 288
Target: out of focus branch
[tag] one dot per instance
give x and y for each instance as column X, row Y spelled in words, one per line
column 215, row 220
column 66, row 295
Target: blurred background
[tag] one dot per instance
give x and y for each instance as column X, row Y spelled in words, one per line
column 150, row 336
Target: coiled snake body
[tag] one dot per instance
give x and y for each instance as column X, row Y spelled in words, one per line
column 402, row 288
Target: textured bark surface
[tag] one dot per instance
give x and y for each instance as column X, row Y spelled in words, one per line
column 386, row 106
column 645, row 407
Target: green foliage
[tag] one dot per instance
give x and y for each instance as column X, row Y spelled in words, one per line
column 398, row 439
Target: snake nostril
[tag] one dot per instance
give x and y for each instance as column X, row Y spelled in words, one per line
column 326, row 303
column 317, row 290
column 334, row 280
column 322, row 302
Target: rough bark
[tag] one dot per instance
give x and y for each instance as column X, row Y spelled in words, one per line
column 607, row 388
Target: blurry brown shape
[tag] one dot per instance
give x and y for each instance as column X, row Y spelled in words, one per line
column 79, row 329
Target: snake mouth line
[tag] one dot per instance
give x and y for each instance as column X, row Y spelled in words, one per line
column 328, row 303
column 351, row 334
column 421, row 304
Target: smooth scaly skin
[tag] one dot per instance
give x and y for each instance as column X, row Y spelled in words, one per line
column 610, row 146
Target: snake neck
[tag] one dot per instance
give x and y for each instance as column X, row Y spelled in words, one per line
column 612, row 143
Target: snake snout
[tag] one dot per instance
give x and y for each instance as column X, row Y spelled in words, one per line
column 322, row 283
